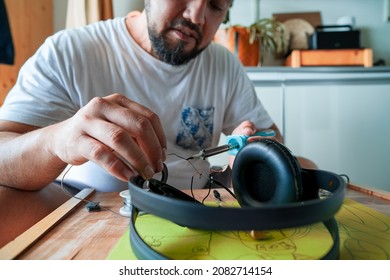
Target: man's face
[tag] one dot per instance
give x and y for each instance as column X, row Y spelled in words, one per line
column 180, row 29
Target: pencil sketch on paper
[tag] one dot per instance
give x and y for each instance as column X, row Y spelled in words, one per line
column 183, row 243
column 364, row 234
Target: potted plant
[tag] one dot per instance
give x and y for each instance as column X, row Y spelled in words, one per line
column 250, row 43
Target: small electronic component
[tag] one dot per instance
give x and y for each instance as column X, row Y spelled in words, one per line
column 93, row 206
column 217, row 195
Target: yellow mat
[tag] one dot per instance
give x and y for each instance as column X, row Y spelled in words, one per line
column 364, row 234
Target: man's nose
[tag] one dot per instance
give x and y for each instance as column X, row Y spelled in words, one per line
column 196, row 11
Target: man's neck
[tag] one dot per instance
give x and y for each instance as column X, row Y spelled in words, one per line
column 137, row 26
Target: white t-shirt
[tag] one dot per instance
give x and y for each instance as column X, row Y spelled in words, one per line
column 196, row 102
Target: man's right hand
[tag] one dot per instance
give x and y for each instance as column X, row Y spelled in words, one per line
column 108, row 129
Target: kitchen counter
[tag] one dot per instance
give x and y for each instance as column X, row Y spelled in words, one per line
column 262, row 76
column 335, row 116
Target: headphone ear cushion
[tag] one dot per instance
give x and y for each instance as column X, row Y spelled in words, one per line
column 265, row 172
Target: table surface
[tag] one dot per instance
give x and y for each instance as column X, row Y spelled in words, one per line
column 91, row 235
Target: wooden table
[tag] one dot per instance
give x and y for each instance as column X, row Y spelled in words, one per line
column 83, row 234
column 91, row 235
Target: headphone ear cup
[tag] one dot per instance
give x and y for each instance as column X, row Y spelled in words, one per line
column 265, row 172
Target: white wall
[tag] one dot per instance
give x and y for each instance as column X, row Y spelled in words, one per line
column 59, row 14
column 369, row 16
column 123, row 7
column 120, row 7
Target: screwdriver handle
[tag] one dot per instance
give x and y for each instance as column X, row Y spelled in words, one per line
column 237, row 142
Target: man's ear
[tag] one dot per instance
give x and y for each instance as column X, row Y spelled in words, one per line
column 227, row 18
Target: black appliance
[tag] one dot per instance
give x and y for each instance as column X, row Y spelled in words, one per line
column 334, row 37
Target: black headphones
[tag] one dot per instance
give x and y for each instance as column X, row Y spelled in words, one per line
column 274, row 192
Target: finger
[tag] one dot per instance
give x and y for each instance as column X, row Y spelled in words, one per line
column 95, row 151
column 155, row 123
column 262, row 134
column 141, row 123
column 153, row 119
column 126, row 148
column 257, row 138
column 245, row 128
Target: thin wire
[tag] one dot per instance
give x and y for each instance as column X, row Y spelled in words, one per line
column 192, row 177
column 183, row 158
column 210, row 180
column 208, row 193
column 223, row 186
column 346, row 177
column 83, row 199
column 191, row 186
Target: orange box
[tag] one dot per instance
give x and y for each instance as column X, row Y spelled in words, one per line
column 339, row 57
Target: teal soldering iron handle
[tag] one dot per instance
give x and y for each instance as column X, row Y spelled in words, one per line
column 237, row 142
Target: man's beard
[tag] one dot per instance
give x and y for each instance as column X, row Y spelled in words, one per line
column 174, row 54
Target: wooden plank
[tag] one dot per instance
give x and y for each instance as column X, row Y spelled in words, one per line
column 31, row 22
column 29, row 237
column 370, row 191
